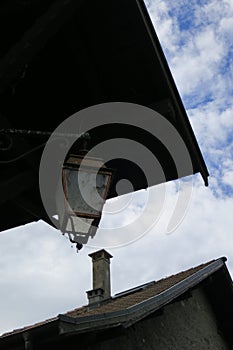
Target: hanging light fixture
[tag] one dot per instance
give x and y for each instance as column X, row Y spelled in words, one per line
column 86, row 182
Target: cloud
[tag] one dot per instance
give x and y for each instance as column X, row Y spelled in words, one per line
column 204, row 234
column 200, row 58
column 198, row 49
column 40, row 275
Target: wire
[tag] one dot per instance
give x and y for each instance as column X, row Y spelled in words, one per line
column 41, row 133
column 24, row 132
column 22, row 155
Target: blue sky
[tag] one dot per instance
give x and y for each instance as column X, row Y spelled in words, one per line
column 197, row 40
column 41, row 275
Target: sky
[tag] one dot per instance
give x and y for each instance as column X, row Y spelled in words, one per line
column 41, row 275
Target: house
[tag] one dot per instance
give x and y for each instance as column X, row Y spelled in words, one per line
column 190, row 310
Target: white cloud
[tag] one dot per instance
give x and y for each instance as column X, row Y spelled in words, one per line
column 196, row 55
column 227, row 174
column 168, row 27
column 200, row 58
column 226, row 28
column 212, row 126
column 194, row 65
column 228, row 178
column 40, row 275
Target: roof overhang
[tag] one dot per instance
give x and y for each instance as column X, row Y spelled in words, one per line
column 65, row 56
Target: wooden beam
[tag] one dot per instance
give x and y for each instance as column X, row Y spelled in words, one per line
column 20, row 146
column 14, row 62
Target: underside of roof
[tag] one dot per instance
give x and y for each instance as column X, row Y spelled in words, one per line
column 59, row 57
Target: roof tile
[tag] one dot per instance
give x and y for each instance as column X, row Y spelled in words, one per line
column 137, row 295
column 123, row 300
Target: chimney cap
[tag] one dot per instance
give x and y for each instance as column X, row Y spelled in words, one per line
column 99, row 254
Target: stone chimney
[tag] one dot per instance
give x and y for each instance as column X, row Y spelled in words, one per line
column 101, row 277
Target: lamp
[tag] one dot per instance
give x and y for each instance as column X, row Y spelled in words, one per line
column 86, row 183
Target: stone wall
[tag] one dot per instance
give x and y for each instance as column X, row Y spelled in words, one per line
column 187, row 324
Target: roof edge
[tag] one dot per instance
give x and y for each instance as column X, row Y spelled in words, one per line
column 30, row 328
column 173, row 88
column 138, row 311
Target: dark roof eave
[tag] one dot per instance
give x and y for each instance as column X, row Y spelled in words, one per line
column 45, row 27
column 37, row 328
column 131, row 315
column 173, row 90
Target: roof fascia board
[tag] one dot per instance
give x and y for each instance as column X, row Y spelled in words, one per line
column 35, row 330
column 173, row 89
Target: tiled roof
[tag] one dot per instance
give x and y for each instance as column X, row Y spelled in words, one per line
column 136, row 295
column 27, row 328
column 123, row 300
